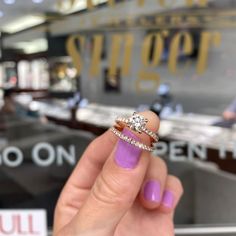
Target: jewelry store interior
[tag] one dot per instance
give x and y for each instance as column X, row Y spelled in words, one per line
column 69, row 68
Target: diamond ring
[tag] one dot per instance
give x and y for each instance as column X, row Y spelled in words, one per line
column 136, row 123
column 131, row 140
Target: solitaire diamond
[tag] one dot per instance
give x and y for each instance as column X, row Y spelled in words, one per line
column 137, row 122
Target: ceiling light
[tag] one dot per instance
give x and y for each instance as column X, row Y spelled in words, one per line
column 23, row 23
column 9, row 2
column 65, row 7
column 34, row 46
column 37, row 1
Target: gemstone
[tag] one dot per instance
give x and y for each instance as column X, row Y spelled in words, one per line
column 137, row 123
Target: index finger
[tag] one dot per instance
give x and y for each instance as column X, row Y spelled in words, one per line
column 92, row 161
column 99, row 150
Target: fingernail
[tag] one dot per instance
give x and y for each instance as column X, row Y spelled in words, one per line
column 127, row 156
column 168, row 199
column 152, row 191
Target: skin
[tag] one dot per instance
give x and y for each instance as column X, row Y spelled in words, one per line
column 228, row 115
column 103, row 199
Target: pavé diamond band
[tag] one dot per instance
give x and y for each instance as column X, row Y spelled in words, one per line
column 136, row 123
column 131, row 140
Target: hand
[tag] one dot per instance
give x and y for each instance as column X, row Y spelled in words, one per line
column 228, row 115
column 118, row 190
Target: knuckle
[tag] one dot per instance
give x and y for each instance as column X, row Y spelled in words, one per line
column 177, row 184
column 165, row 227
column 108, row 139
column 112, row 192
column 170, row 226
column 162, row 166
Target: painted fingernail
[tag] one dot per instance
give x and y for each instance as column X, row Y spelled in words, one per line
column 168, row 199
column 152, row 191
column 127, row 156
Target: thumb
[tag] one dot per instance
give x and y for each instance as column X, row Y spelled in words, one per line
column 114, row 191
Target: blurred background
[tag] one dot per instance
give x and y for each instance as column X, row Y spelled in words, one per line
column 68, row 68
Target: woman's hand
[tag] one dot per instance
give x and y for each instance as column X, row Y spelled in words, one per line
column 117, row 189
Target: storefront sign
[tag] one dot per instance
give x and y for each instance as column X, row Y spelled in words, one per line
column 122, row 45
column 23, row 223
column 171, row 34
column 59, row 156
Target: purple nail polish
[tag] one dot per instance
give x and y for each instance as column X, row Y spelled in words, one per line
column 168, row 199
column 152, row 191
column 127, row 155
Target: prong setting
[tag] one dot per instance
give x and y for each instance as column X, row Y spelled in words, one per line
column 137, row 123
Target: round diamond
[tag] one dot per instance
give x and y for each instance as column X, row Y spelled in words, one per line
column 137, row 123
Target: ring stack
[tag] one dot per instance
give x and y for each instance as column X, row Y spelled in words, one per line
column 137, row 123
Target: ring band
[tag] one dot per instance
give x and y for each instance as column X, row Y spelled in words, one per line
column 138, row 124
column 131, row 140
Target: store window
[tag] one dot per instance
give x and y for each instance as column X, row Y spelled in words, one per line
column 69, row 68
